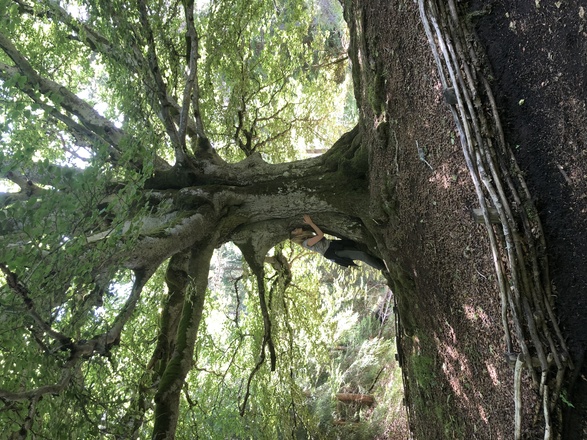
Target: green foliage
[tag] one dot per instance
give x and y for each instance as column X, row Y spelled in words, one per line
column 563, row 396
column 323, row 308
column 268, row 77
column 70, row 285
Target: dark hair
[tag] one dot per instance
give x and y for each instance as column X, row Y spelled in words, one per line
column 300, row 237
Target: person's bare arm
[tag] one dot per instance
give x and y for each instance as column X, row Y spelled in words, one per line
column 319, row 234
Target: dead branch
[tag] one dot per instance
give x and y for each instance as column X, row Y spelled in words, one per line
column 512, row 223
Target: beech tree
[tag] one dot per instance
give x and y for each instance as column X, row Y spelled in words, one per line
column 139, row 137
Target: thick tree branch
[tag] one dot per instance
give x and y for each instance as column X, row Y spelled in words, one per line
column 89, row 117
column 246, row 147
column 129, row 56
column 161, row 87
column 192, row 88
column 173, row 378
column 152, row 250
column 81, row 30
column 96, row 137
column 27, row 189
column 25, row 184
column 97, row 129
column 177, row 281
column 132, row 58
column 267, row 337
column 33, row 174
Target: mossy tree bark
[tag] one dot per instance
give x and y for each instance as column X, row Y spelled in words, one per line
column 177, row 354
column 255, row 205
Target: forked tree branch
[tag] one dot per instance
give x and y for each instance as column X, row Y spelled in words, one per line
column 78, row 130
column 191, row 92
column 18, row 288
column 89, row 117
column 161, row 86
column 170, row 112
column 40, row 391
column 98, row 345
column 181, row 361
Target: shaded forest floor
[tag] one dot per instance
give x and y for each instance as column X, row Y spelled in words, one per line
column 458, row 384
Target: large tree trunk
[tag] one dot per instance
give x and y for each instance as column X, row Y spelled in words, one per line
column 255, row 205
column 257, row 202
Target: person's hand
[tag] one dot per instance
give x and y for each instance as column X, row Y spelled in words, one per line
column 319, row 234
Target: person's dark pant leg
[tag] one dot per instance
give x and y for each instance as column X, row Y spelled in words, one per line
column 372, row 261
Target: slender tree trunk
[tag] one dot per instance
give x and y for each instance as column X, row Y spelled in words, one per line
column 172, row 380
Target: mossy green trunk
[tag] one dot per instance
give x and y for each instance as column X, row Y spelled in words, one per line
column 173, row 376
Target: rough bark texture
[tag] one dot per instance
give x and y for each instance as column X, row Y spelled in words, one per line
column 255, row 205
column 221, row 202
column 180, row 362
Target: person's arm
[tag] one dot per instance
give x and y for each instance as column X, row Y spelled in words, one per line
column 319, row 234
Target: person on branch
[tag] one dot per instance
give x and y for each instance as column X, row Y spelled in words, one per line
column 342, row 252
